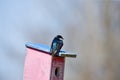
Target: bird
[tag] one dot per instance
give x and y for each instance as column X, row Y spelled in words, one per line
column 56, row 45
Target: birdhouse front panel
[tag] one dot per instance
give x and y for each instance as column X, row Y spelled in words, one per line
column 57, row 69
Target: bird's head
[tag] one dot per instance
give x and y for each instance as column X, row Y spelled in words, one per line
column 59, row 37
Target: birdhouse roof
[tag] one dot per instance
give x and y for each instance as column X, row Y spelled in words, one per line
column 36, row 46
column 46, row 49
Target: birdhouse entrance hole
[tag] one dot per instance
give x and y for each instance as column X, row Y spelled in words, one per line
column 57, row 72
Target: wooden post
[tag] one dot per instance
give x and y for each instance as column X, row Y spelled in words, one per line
column 40, row 65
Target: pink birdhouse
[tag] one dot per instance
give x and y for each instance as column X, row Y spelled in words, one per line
column 40, row 65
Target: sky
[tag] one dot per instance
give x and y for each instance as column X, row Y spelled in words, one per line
column 38, row 21
column 22, row 21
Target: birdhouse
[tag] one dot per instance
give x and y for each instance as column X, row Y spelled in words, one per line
column 40, row 65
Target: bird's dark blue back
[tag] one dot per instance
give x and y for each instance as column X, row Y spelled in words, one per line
column 56, row 46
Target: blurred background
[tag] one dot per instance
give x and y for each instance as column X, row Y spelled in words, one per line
column 91, row 28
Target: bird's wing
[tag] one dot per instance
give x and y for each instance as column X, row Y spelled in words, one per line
column 53, row 47
column 59, row 46
column 56, row 46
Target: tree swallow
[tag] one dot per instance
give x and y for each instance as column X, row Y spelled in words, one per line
column 56, row 45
